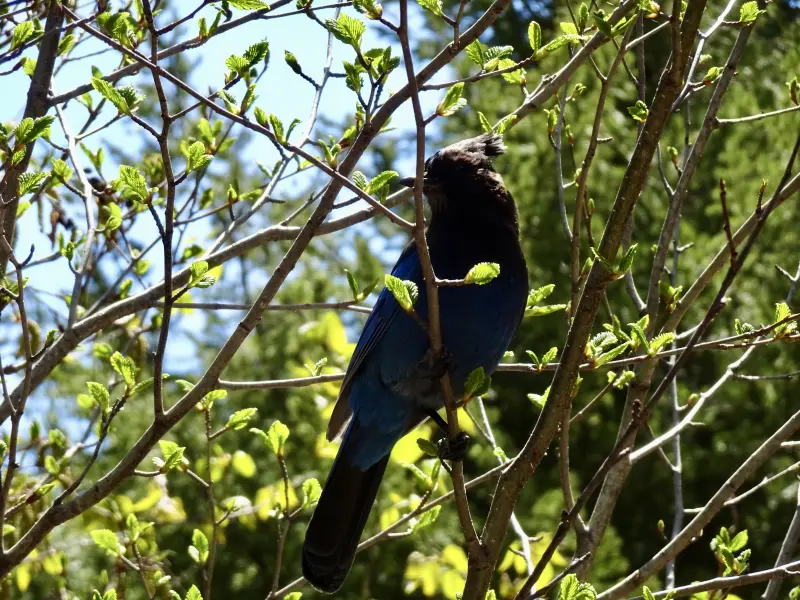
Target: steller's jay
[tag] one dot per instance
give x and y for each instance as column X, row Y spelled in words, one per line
column 392, row 382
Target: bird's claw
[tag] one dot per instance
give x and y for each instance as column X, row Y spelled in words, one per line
column 455, row 449
column 435, row 365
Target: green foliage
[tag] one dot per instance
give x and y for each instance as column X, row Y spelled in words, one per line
column 452, row 101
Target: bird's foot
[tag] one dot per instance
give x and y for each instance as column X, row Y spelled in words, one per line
column 435, row 365
column 455, row 449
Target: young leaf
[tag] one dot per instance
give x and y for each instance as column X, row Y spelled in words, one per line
column 400, row 290
column 100, row 395
column 434, row 6
column 240, row 418
column 312, row 490
column 475, row 52
column 611, row 354
column 749, row 12
column 275, row 437
column 125, row 367
column 477, row 384
column 21, row 34
column 194, row 593
column 638, row 111
column 107, row 540
column 29, row 182
column 107, row 91
column 626, row 263
column 550, row 355
column 452, row 100
column 427, row 518
column 347, row 29
column 535, row 36
column 381, row 181
column 485, row 125
column 133, row 183
column 482, row 273
column 782, row 311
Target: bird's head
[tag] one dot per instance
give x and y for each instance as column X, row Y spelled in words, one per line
column 461, row 177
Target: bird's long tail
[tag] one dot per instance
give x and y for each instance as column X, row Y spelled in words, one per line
column 341, row 514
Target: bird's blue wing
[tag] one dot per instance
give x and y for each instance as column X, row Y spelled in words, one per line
column 379, row 320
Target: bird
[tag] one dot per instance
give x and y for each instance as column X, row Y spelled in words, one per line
column 392, row 383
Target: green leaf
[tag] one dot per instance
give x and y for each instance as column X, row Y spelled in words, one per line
column 198, row 275
column 495, row 54
column 125, row 367
column 312, row 490
column 194, row 593
column 611, row 354
column 627, row 261
column 428, row 447
column 133, row 183
column 51, row 465
column 504, row 124
column 275, row 437
column 712, row 75
column 347, row 29
column 247, row 5
column 452, row 100
column 477, row 384
column 291, row 60
column 277, row 128
column 482, row 273
column 427, row 518
column 516, row 76
column 257, row 52
column 66, row 44
column 647, row 594
column 196, row 157
column 485, row 125
column 539, row 294
column 61, row 171
column 100, row 395
column 23, row 130
column 107, row 91
column 572, row 589
column 418, row 473
column 200, row 542
column 475, row 52
column 29, row 182
column 639, row 111
column 434, row 6
column 22, row 33
column 351, row 281
column 550, row 355
column 293, row 596
column 400, row 291
column 540, row 311
column 22, row 207
column 41, row 127
column 107, row 540
column 583, row 17
column 173, row 454
column 28, row 65
column 739, row 541
column 782, row 311
column 240, row 418
column 535, row 36
column 381, row 181
column 372, row 9
column 749, row 12
column 658, row 342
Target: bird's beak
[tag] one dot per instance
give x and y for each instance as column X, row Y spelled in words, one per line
column 407, row 182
